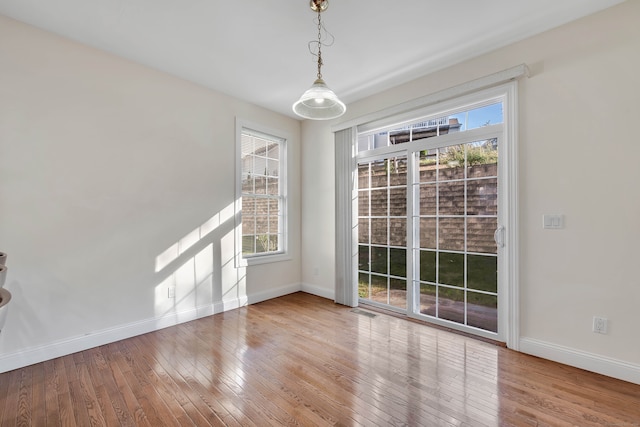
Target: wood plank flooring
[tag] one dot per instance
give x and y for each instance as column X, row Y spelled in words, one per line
column 302, row 360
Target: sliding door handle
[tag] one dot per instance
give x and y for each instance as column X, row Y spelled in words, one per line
column 498, row 236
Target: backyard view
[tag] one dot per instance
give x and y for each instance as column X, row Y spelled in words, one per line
column 453, row 222
column 262, row 195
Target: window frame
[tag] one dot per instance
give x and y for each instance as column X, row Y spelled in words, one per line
column 282, row 254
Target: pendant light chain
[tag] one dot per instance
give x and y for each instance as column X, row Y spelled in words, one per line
column 319, row 102
column 319, row 43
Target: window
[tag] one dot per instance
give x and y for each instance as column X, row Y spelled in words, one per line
column 261, row 195
column 457, row 121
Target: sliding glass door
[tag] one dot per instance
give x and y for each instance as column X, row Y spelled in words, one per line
column 430, row 239
column 455, row 219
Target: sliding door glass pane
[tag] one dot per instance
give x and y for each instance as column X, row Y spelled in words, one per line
column 382, row 231
column 456, row 216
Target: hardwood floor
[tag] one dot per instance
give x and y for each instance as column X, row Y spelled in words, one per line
column 302, row 360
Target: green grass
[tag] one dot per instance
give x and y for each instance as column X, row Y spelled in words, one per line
column 481, row 273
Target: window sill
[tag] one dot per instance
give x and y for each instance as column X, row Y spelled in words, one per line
column 266, row 259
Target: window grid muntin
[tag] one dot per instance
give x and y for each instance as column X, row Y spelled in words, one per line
column 417, row 184
column 369, row 217
column 260, row 157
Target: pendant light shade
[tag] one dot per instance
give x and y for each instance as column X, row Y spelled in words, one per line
column 319, row 103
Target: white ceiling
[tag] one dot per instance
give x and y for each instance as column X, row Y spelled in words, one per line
column 256, row 50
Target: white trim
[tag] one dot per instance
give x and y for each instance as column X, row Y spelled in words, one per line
column 481, row 83
column 284, row 254
column 412, row 235
column 319, row 291
column 266, row 259
column 29, row 356
column 581, row 359
column 274, row 293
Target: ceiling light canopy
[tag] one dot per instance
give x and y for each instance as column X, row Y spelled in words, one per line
column 319, row 102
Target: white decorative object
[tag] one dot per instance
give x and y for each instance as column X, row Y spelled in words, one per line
column 3, row 275
column 5, row 297
column 3, row 258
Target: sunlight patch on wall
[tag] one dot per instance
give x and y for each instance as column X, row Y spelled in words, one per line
column 234, row 279
column 190, row 286
column 189, row 281
column 185, row 243
column 163, row 304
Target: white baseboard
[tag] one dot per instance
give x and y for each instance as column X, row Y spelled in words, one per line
column 22, row 358
column 580, row 359
column 591, row 362
column 318, row 291
column 274, row 293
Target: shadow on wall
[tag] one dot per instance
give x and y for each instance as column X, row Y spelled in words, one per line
column 198, row 269
column 186, row 273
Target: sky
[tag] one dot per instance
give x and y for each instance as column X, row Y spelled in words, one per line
column 490, row 114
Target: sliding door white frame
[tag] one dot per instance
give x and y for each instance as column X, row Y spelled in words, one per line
column 346, row 185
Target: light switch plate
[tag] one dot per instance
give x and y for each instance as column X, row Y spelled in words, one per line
column 552, row 221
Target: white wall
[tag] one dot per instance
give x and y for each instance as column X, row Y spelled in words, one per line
column 318, row 207
column 104, row 166
column 578, row 157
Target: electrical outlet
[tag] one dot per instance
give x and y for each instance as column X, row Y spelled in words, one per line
column 599, row 325
column 171, row 292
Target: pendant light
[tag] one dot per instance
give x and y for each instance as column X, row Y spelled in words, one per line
column 319, row 102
